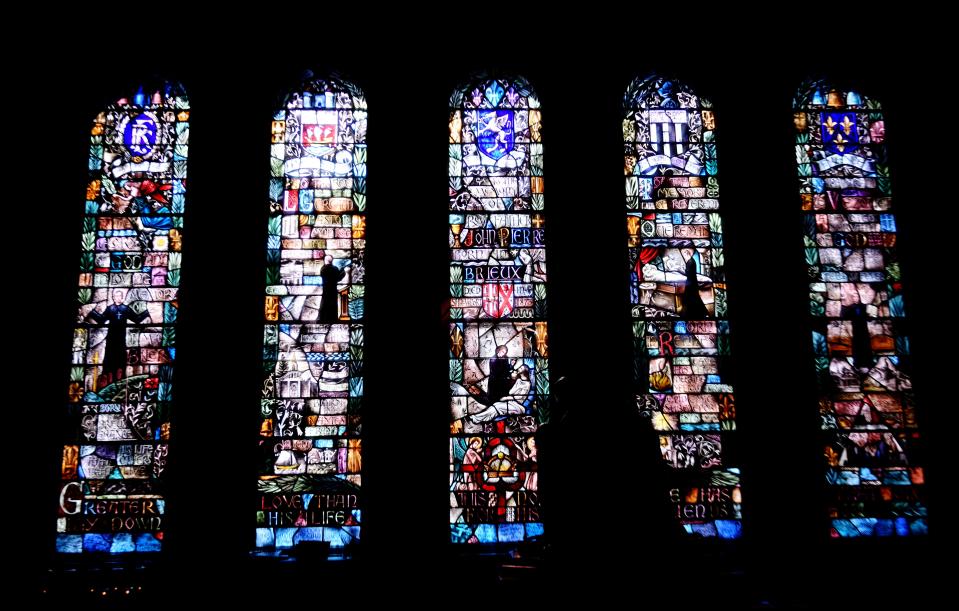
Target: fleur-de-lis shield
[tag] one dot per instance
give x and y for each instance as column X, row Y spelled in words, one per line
column 839, row 132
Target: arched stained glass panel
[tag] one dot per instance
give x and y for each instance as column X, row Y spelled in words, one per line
column 112, row 498
column 498, row 350
column 311, row 459
column 862, row 355
column 678, row 298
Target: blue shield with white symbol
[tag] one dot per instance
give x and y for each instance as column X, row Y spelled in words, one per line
column 140, row 134
column 494, row 135
column 839, row 132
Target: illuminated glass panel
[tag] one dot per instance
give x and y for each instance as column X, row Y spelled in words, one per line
column 678, row 297
column 499, row 357
column 310, row 466
column 112, row 496
column 871, row 438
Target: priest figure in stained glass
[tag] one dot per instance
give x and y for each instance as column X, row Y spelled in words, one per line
column 331, row 275
column 115, row 316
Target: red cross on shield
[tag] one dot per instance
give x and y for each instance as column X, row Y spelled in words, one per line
column 497, row 299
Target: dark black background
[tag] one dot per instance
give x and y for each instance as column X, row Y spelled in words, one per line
column 235, row 76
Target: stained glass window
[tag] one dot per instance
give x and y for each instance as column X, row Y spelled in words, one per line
column 678, row 298
column 875, row 484
column 112, row 497
column 499, row 356
column 310, row 445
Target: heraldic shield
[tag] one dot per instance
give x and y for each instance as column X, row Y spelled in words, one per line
column 497, row 299
column 839, row 132
column 495, row 134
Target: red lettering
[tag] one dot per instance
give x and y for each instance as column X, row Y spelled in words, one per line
column 666, row 343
